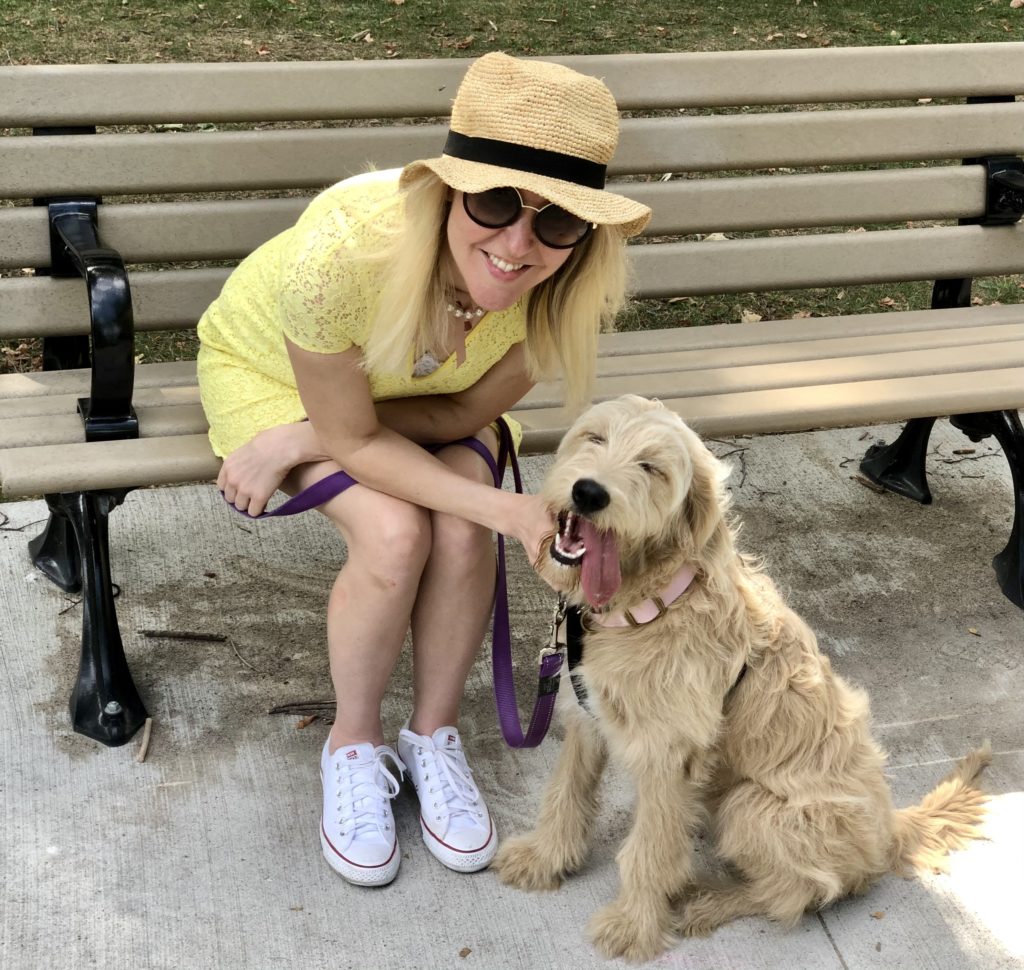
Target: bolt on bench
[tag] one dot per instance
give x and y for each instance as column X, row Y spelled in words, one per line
column 149, row 182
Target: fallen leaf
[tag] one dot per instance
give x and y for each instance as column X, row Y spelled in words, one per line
column 1016, row 4
column 306, row 721
column 878, row 914
column 964, row 451
column 887, row 301
column 748, row 316
column 801, row 315
column 929, row 100
column 973, row 631
column 465, row 952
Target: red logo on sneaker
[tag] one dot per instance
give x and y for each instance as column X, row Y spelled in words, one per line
column 352, row 755
column 451, row 739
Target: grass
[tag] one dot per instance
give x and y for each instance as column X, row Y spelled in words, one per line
column 95, row 31
column 105, row 31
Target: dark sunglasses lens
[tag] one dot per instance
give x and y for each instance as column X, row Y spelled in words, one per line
column 559, row 229
column 493, row 208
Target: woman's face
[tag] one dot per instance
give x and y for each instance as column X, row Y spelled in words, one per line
column 497, row 266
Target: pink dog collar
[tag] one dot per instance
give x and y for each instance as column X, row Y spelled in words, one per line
column 650, row 609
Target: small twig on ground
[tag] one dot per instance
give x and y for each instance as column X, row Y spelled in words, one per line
column 69, row 607
column 183, row 635
column 305, row 707
column 956, row 461
column 867, row 483
column 144, row 747
column 240, row 657
column 4, row 527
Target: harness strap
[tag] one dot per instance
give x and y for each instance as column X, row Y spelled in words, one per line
column 501, row 640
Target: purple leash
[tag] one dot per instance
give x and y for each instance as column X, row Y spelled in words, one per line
column 501, row 640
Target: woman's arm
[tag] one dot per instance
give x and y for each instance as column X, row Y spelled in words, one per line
column 337, row 398
column 437, row 418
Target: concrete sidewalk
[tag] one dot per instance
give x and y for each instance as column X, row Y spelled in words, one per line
column 206, row 854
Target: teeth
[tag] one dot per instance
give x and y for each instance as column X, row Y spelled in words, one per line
column 570, row 520
column 502, row 265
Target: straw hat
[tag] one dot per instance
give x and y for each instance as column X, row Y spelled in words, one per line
column 536, row 126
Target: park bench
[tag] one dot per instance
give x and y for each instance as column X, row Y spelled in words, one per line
column 150, row 181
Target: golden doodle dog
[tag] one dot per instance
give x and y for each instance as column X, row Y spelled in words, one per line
column 713, row 695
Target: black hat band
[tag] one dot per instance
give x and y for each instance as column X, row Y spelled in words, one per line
column 538, row 161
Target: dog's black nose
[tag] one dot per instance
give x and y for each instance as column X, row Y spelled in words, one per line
column 589, row 496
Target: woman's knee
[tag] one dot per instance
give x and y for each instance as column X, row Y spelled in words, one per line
column 386, row 537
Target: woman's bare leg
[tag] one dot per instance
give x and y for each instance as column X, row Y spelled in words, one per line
column 371, row 602
column 453, row 604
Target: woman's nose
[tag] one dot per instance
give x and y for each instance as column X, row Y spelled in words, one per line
column 519, row 236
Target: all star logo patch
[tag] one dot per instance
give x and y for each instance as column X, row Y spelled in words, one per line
column 451, row 739
column 352, row 755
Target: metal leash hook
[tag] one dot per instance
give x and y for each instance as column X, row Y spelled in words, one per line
column 556, row 645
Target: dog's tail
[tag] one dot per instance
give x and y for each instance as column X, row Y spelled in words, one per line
column 946, row 819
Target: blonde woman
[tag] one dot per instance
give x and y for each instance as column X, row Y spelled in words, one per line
column 410, row 309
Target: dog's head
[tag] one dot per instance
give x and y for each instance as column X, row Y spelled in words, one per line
column 637, row 493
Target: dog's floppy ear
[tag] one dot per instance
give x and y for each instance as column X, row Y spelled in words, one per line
column 706, row 499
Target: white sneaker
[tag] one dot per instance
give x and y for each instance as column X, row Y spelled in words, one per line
column 357, row 828
column 454, row 820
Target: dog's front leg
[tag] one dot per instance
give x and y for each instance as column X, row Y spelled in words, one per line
column 655, row 864
column 558, row 844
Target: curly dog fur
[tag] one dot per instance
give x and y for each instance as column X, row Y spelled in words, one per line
column 781, row 765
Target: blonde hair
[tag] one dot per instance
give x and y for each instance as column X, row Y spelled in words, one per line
column 564, row 314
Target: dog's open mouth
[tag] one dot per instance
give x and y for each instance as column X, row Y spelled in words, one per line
column 580, row 543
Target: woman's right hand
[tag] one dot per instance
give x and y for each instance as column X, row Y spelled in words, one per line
column 535, row 526
column 250, row 475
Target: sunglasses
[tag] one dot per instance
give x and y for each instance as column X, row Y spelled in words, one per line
column 552, row 225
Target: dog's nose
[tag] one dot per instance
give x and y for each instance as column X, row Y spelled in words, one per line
column 589, row 496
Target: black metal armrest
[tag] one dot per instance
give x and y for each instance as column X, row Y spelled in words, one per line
column 107, row 412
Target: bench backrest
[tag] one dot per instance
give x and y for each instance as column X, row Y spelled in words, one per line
column 199, row 163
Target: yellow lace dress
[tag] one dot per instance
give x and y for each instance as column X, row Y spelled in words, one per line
column 297, row 284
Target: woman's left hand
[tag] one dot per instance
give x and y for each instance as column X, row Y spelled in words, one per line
column 250, row 475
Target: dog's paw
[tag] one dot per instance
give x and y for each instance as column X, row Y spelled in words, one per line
column 633, row 933
column 522, row 862
column 700, row 915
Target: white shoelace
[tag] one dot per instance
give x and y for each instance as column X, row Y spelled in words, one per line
column 363, row 799
column 459, row 793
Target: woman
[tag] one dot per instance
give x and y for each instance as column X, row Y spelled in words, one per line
column 404, row 311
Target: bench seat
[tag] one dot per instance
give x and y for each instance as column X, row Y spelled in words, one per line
column 793, row 375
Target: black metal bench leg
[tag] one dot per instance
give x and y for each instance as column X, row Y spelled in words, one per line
column 54, row 552
column 899, row 467
column 105, row 704
column 1006, row 427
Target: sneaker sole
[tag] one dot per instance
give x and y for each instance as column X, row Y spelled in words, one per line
column 356, row 874
column 460, row 860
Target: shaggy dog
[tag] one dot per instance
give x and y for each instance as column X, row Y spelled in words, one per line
column 720, row 707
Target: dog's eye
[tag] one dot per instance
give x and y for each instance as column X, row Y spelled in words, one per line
column 595, row 439
column 648, row 468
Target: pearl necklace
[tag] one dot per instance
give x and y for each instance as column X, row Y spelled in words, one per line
column 461, row 314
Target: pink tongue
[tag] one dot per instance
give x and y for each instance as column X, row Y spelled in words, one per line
column 600, row 574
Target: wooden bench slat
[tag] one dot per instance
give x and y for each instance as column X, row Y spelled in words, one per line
column 810, row 138
column 804, row 201
column 111, row 464
column 120, row 94
column 111, row 164
column 157, row 232
column 809, row 408
column 41, row 306
column 75, row 383
column 174, row 231
column 158, row 421
column 36, row 406
column 827, row 259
